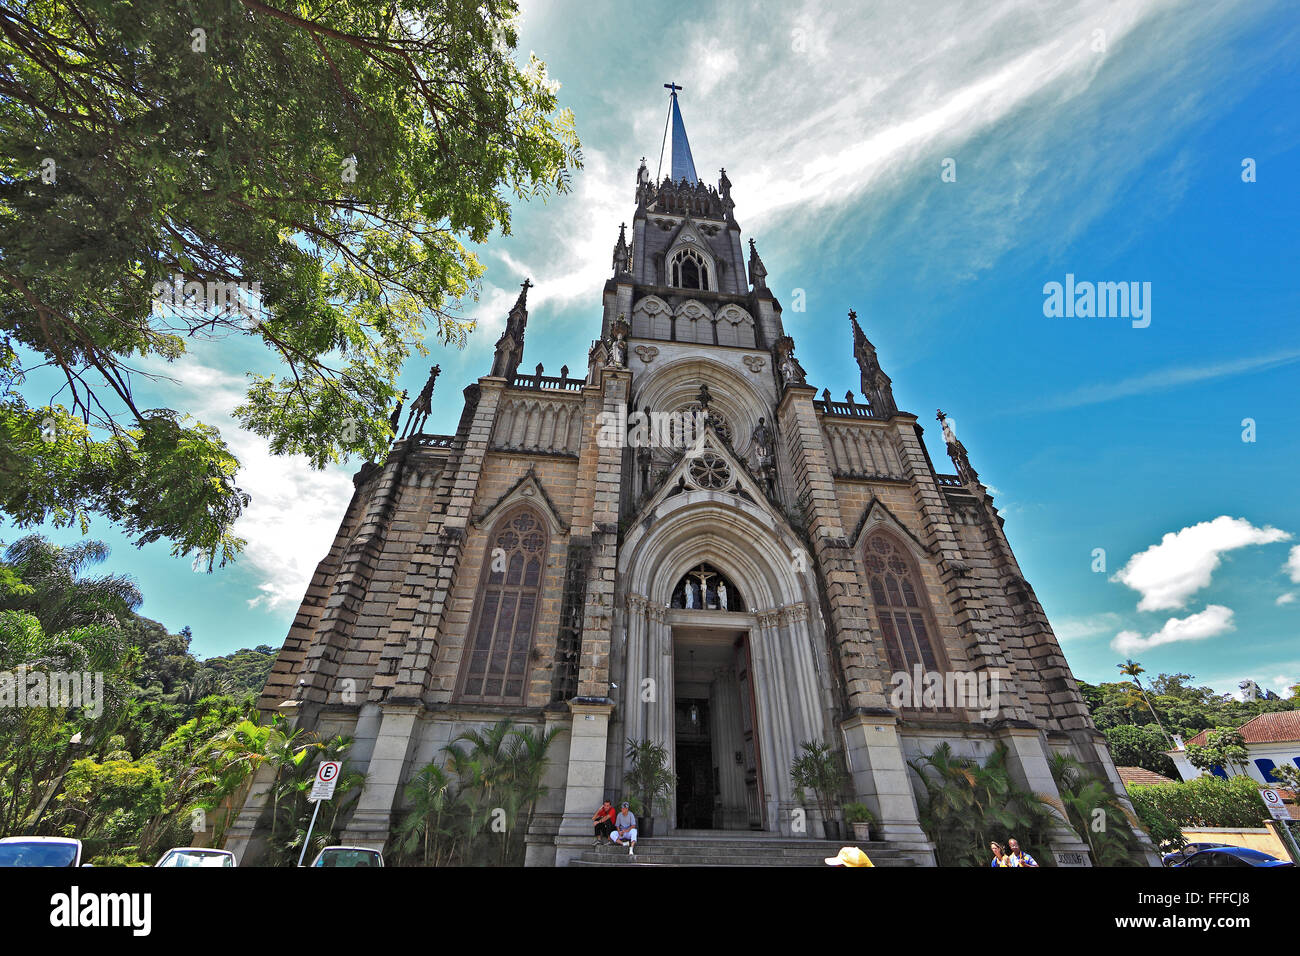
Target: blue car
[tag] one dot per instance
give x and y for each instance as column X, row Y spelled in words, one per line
column 1232, row 856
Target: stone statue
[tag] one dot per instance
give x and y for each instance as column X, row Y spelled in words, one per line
column 690, row 595
column 790, row 370
column 722, row 595
column 762, row 437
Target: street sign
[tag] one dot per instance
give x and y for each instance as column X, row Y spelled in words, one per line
column 327, row 778
column 1273, row 800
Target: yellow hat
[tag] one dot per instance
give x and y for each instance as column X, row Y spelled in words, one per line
column 849, row 856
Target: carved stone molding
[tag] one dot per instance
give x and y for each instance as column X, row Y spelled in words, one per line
column 768, row 618
column 647, row 353
column 792, row 613
column 657, row 614
column 637, row 603
column 754, row 363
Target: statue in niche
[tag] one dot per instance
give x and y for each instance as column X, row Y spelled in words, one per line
column 722, row 595
column 690, row 595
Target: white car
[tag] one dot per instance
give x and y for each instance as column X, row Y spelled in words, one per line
column 348, row 856
column 197, row 856
column 40, row 851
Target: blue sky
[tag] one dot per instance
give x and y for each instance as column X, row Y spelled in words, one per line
column 1103, row 140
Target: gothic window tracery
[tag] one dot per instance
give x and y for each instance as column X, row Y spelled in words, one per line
column 686, row 417
column 689, row 270
column 705, row 588
column 902, row 609
column 497, row 658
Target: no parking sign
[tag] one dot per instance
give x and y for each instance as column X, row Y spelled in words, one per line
column 327, row 778
column 1273, row 800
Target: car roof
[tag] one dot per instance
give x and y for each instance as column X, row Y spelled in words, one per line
column 200, row 849
column 1239, row 851
column 364, row 849
column 40, row 839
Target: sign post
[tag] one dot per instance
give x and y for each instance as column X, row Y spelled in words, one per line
column 322, row 789
column 1277, row 809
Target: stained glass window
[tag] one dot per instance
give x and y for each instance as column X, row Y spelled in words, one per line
column 497, row 660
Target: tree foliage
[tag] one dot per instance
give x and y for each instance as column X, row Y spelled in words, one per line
column 305, row 177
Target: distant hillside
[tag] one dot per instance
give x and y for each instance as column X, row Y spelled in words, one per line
column 243, row 672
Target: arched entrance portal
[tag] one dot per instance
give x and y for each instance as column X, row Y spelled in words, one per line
column 720, row 659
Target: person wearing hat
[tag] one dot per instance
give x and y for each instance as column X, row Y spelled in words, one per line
column 625, row 828
column 849, row 856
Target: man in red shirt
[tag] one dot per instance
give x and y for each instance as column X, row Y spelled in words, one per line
column 604, row 821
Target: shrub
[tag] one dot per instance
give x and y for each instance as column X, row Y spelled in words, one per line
column 1207, row 801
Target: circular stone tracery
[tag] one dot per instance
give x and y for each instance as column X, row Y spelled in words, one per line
column 710, row 471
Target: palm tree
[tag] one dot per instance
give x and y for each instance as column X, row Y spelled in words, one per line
column 1131, row 668
column 1096, row 812
column 431, row 796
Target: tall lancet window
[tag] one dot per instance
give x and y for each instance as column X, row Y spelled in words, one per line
column 689, row 270
column 495, row 667
column 902, row 608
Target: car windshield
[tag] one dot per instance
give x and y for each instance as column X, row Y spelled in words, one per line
column 348, row 858
column 195, row 858
column 38, row 853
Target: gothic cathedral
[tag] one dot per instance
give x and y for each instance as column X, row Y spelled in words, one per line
column 686, row 546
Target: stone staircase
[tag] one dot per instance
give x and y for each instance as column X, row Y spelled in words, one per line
column 723, row 848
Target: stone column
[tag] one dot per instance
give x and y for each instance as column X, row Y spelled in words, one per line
column 372, row 819
column 1027, row 763
column 775, row 748
column 585, row 780
column 635, row 706
column 874, row 752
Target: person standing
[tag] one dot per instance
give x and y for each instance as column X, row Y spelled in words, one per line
column 1000, row 858
column 1018, row 856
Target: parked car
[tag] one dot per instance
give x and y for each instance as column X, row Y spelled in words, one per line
column 1178, row 856
column 348, row 856
column 196, row 856
column 1232, row 856
column 40, row 851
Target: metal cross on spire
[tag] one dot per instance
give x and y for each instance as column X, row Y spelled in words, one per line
column 683, row 164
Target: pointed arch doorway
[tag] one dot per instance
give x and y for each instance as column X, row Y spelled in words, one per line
column 715, row 745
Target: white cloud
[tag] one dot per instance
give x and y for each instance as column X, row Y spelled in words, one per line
column 1079, row 628
column 1292, row 566
column 295, row 510
column 1168, row 573
column 1214, row 620
column 1287, row 598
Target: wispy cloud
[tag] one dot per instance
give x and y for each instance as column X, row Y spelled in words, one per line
column 1165, row 379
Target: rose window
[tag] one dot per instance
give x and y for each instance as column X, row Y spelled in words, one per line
column 710, row 471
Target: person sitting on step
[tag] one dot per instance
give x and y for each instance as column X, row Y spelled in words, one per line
column 625, row 829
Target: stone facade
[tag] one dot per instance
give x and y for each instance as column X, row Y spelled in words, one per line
column 778, row 498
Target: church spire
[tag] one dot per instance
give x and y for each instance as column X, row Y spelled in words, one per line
column 683, row 163
column 876, row 385
column 957, row 452
column 510, row 347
